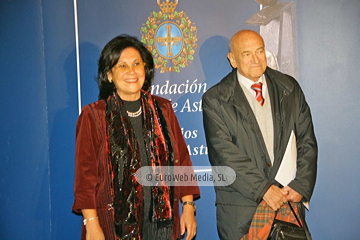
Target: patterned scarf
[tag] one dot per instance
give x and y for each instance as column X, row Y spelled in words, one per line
column 264, row 217
column 124, row 161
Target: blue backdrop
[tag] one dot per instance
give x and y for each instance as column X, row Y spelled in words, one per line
column 39, row 96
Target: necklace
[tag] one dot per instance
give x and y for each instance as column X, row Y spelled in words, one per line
column 135, row 114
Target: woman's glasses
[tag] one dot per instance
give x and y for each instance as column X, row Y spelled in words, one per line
column 136, row 66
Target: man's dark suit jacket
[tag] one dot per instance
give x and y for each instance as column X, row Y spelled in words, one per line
column 234, row 139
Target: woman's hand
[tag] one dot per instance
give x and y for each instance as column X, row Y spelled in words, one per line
column 93, row 228
column 94, row 231
column 188, row 222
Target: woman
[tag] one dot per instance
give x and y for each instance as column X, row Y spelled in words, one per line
column 126, row 129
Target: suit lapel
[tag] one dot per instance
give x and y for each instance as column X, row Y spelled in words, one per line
column 277, row 122
column 278, row 95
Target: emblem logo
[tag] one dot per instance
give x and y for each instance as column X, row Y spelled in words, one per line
column 170, row 36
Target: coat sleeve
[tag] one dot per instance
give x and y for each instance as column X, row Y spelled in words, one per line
column 250, row 181
column 307, row 150
column 86, row 164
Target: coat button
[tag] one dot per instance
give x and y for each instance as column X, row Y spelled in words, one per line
column 176, row 161
column 269, row 164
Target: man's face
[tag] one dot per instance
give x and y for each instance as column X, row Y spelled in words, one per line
column 248, row 56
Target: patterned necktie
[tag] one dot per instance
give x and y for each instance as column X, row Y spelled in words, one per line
column 257, row 87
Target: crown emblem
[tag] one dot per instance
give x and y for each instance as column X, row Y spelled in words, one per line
column 170, row 36
column 167, row 6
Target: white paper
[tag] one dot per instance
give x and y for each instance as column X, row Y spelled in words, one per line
column 287, row 169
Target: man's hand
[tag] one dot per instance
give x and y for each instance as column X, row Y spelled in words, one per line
column 292, row 195
column 275, row 197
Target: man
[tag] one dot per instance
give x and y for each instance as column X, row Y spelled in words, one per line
column 248, row 120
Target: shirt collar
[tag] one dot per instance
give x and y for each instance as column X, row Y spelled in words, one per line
column 247, row 83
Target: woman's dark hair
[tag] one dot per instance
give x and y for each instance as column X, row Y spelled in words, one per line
column 110, row 56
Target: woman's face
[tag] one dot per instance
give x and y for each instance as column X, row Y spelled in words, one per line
column 128, row 74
